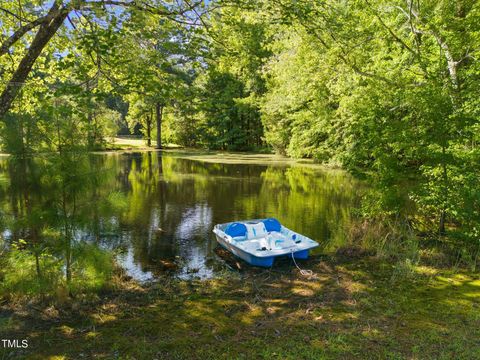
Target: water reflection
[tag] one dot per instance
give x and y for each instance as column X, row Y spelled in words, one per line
column 157, row 212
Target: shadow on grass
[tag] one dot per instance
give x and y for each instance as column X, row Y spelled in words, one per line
column 347, row 310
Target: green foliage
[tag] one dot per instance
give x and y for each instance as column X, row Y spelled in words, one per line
column 224, row 116
column 224, row 110
column 386, row 89
column 19, row 276
column 92, row 271
column 43, row 240
column 296, row 112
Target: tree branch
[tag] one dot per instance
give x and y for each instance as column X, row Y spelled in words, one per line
column 452, row 64
column 133, row 4
column 20, row 32
column 46, row 31
column 11, row 13
column 49, row 25
column 395, row 36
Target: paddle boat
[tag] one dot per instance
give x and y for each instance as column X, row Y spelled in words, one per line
column 260, row 241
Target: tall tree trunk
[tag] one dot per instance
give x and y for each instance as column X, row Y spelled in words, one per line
column 149, row 130
column 67, row 235
column 68, row 264
column 441, row 226
column 159, row 113
column 37, row 265
column 43, row 36
column 443, row 213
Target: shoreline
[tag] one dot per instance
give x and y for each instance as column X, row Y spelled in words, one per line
column 208, row 156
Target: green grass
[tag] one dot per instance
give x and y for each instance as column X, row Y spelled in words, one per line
column 350, row 310
column 133, row 144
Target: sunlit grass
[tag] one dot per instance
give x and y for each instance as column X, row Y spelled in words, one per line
column 356, row 309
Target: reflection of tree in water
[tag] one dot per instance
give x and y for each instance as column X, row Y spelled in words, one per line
column 314, row 202
column 158, row 200
column 53, row 206
column 25, row 199
column 173, row 214
column 161, row 209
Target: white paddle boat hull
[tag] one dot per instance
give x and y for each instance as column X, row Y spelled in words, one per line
column 259, row 242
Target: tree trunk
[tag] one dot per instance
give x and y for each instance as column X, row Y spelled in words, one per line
column 443, row 214
column 37, row 265
column 68, row 237
column 43, row 36
column 149, row 131
column 68, row 263
column 441, row 226
column 159, row 113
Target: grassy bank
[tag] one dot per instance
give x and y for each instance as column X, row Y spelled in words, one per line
column 133, row 144
column 266, row 158
column 351, row 308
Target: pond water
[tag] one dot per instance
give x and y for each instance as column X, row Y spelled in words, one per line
column 156, row 210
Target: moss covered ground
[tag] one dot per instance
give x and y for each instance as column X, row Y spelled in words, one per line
column 349, row 309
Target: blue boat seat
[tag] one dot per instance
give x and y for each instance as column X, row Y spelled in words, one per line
column 248, row 231
column 236, row 230
column 272, row 224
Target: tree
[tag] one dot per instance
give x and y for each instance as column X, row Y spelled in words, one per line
column 382, row 88
column 48, row 25
column 157, row 76
column 225, row 110
column 140, row 112
column 402, row 109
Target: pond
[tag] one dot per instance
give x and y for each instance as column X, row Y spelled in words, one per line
column 156, row 210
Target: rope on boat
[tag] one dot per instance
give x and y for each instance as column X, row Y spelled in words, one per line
column 304, row 272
